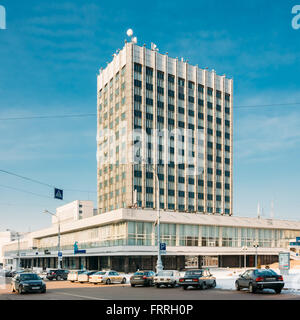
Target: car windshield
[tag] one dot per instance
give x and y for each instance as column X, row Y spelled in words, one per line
column 165, row 273
column 26, row 277
column 194, row 273
column 139, row 273
column 101, row 273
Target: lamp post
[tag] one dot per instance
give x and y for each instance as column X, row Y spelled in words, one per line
column 245, row 256
column 159, row 265
column 18, row 259
column 255, row 245
column 58, row 240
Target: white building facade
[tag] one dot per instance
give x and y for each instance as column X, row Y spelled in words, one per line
column 125, row 239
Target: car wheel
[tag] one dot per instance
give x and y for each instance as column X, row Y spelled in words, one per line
column 158, row 286
column 214, row 284
column 43, row 291
column 108, row 281
column 173, row 285
column 150, row 283
column 20, row 290
column 201, row 286
column 133, row 285
column 251, row 288
column 123, row 281
column 184, row 287
column 278, row 291
column 237, row 286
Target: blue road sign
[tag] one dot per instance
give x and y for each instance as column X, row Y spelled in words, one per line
column 60, row 254
column 163, row 248
column 58, row 194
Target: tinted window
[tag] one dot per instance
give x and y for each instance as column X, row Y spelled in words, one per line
column 101, row 273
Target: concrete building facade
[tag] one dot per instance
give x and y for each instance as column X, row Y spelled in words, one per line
column 163, row 114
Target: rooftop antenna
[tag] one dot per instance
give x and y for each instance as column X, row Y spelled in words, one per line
column 154, row 47
column 258, row 210
column 272, row 210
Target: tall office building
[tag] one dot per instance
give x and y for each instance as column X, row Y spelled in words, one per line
column 160, row 114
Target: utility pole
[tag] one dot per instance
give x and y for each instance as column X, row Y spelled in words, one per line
column 58, row 238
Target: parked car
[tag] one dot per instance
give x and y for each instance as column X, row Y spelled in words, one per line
column 200, row 278
column 85, row 276
column 57, row 274
column 168, row 278
column 142, row 278
column 28, row 282
column 259, row 279
column 107, row 277
column 13, row 273
column 73, row 275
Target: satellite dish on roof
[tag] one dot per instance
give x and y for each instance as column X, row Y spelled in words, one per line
column 130, row 32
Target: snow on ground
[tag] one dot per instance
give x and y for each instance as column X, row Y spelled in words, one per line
column 226, row 279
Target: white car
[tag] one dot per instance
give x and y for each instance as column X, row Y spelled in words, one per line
column 85, row 276
column 73, row 275
column 107, row 277
column 167, row 278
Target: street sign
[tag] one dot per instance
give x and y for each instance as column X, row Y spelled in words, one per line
column 163, row 248
column 58, row 194
column 60, row 254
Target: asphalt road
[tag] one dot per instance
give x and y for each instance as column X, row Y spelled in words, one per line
column 64, row 290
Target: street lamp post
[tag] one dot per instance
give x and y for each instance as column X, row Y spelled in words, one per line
column 245, row 256
column 18, row 259
column 255, row 245
column 159, row 265
column 58, row 239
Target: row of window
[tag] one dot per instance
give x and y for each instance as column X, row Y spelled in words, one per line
column 181, row 82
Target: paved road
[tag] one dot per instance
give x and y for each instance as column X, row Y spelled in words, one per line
column 63, row 290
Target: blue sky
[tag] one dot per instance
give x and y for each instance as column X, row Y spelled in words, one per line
column 49, row 58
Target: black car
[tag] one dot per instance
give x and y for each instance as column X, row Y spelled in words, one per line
column 57, row 274
column 200, row 279
column 28, row 282
column 142, row 278
column 259, row 279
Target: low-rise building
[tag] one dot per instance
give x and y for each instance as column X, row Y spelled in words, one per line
column 125, row 240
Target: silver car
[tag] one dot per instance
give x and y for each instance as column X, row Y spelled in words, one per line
column 85, row 276
column 107, row 277
column 168, row 278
